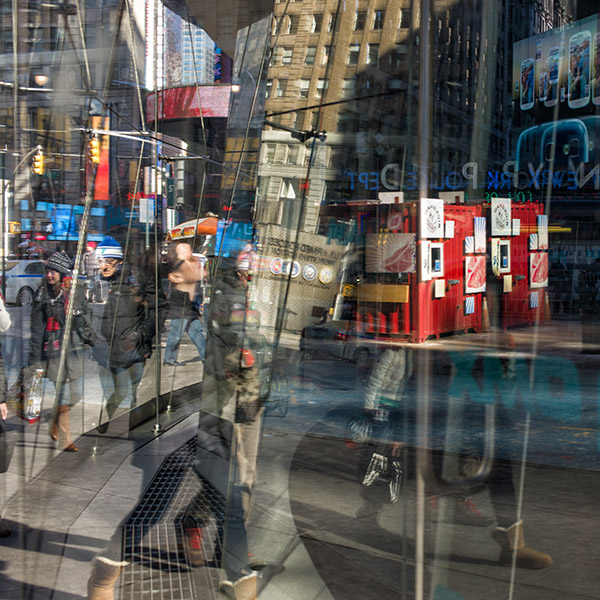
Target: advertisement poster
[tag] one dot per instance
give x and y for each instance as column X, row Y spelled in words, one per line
column 474, row 274
column 538, row 270
column 391, row 253
column 557, row 69
column 425, row 261
column 479, row 231
column 501, row 219
column 431, row 217
column 556, row 85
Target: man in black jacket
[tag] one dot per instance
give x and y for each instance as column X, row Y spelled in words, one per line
column 128, row 325
column 185, row 277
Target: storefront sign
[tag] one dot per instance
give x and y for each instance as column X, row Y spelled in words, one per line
column 532, row 176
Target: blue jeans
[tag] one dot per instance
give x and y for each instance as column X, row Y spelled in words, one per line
column 176, row 331
column 122, row 382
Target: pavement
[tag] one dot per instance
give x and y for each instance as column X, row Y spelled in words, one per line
column 311, row 516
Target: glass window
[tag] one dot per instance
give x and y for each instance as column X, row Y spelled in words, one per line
column 348, row 87
column 293, row 154
column 404, row 21
column 304, row 86
column 292, row 24
column 311, row 52
column 360, row 20
column 281, row 87
column 286, row 58
column 269, row 87
column 353, row 53
column 331, row 22
column 322, row 85
column 316, row 23
column 378, row 18
column 372, row 54
column 326, row 53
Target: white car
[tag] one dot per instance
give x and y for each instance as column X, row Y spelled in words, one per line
column 23, row 277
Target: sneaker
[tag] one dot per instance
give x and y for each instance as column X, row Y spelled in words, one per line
column 173, row 363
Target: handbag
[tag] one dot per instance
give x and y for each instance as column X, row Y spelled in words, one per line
column 24, row 396
column 7, row 447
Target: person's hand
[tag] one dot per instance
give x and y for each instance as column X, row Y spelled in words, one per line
column 3, row 411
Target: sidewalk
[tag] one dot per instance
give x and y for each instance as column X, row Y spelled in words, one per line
column 309, row 513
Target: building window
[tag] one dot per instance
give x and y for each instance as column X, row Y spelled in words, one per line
column 322, row 85
column 398, row 55
column 378, row 19
column 293, row 154
column 286, row 58
column 317, row 22
column 311, row 52
column 269, row 154
column 304, row 86
column 359, row 20
column 331, row 22
column 268, row 88
column 404, row 18
column 314, row 120
column 353, row 53
column 291, row 27
column 326, row 54
column 372, row 54
column 281, row 87
column 348, row 86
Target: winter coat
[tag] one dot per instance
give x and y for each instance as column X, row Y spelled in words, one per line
column 129, row 320
column 48, row 320
column 231, row 385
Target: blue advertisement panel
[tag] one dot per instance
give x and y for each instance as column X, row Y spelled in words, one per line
column 556, row 100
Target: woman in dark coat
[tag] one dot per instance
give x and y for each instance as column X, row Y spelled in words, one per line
column 48, row 319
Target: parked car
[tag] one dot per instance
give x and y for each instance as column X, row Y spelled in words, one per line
column 23, row 277
column 341, row 339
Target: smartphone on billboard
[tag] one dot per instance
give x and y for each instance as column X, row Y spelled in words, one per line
column 543, row 86
column 579, row 63
column 527, row 82
column 596, row 71
column 553, row 76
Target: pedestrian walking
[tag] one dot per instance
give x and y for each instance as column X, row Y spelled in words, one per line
column 184, row 299
column 49, row 312
column 128, row 326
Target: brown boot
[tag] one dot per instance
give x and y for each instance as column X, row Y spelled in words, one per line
column 511, row 540
column 101, row 584
column 242, row 589
column 64, row 429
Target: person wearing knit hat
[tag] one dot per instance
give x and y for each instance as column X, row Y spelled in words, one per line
column 109, row 248
column 51, row 307
column 61, row 263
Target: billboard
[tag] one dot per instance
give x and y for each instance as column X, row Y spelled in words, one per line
column 556, row 99
column 190, row 102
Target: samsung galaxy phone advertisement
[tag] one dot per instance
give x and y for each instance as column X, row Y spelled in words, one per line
column 558, row 68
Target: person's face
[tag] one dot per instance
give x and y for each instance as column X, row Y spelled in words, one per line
column 52, row 276
column 108, row 266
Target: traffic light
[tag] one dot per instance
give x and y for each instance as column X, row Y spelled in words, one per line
column 38, row 163
column 94, row 150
